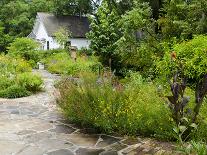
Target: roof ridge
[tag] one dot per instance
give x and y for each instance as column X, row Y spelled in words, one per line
column 50, row 13
column 78, row 25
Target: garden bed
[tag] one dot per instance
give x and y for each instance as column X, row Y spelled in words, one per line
column 17, row 79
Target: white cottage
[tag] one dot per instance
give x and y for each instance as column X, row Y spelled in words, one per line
column 47, row 24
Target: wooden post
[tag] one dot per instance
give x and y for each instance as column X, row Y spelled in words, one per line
column 73, row 53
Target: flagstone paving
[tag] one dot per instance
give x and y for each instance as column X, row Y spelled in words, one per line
column 34, row 126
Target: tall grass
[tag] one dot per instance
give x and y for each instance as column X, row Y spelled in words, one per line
column 61, row 63
column 135, row 109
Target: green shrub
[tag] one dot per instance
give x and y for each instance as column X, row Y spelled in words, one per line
column 44, row 54
column 16, row 79
column 190, row 56
column 186, row 67
column 5, row 82
column 25, row 48
column 14, row 91
column 9, row 65
column 61, row 63
column 193, row 147
column 135, row 109
column 30, row 81
column 149, row 113
column 85, row 51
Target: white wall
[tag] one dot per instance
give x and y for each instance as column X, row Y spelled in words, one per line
column 53, row 44
column 80, row 42
column 41, row 34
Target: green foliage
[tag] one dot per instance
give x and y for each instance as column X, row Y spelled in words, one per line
column 142, row 30
column 85, row 52
column 73, row 7
column 61, row 63
column 137, row 47
column 5, row 82
column 182, row 19
column 125, row 33
column 104, row 33
column 61, row 36
column 186, row 67
column 198, row 148
column 120, row 6
column 135, row 109
column 40, row 6
column 14, row 91
column 25, row 48
column 5, row 39
column 30, row 82
column 190, row 57
column 15, row 15
column 9, row 65
column 17, row 18
column 43, row 54
column 16, row 79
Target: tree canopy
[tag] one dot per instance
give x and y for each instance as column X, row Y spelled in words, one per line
column 132, row 33
column 17, row 17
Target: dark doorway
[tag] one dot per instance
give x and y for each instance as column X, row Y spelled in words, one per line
column 48, row 45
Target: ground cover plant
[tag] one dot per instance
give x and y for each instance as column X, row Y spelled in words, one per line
column 16, row 78
column 25, row 48
column 174, row 111
column 61, row 63
column 184, row 67
column 133, row 109
column 153, row 37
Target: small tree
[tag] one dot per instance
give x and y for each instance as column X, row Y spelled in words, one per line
column 62, row 36
column 137, row 45
column 104, row 33
column 25, row 48
column 188, row 67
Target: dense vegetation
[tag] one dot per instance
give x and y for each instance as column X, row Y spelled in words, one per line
column 152, row 79
column 135, row 37
column 16, row 79
column 165, row 42
column 62, row 63
column 17, row 16
column 135, row 109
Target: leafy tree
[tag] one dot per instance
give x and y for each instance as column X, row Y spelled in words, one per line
column 18, row 16
column 72, row 7
column 137, row 36
column 120, row 6
column 183, row 19
column 5, row 39
column 104, row 33
column 130, row 39
column 16, row 19
column 25, row 48
column 40, row 6
column 62, row 36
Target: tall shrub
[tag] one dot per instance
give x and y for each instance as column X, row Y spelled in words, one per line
column 185, row 67
column 25, row 48
column 134, row 109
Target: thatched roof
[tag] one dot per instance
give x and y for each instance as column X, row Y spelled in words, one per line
column 78, row 26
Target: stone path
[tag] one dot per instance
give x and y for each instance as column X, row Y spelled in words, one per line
column 34, row 126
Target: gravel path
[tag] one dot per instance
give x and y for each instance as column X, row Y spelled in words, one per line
column 34, row 126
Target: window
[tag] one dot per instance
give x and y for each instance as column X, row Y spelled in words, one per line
column 48, row 45
column 68, row 44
